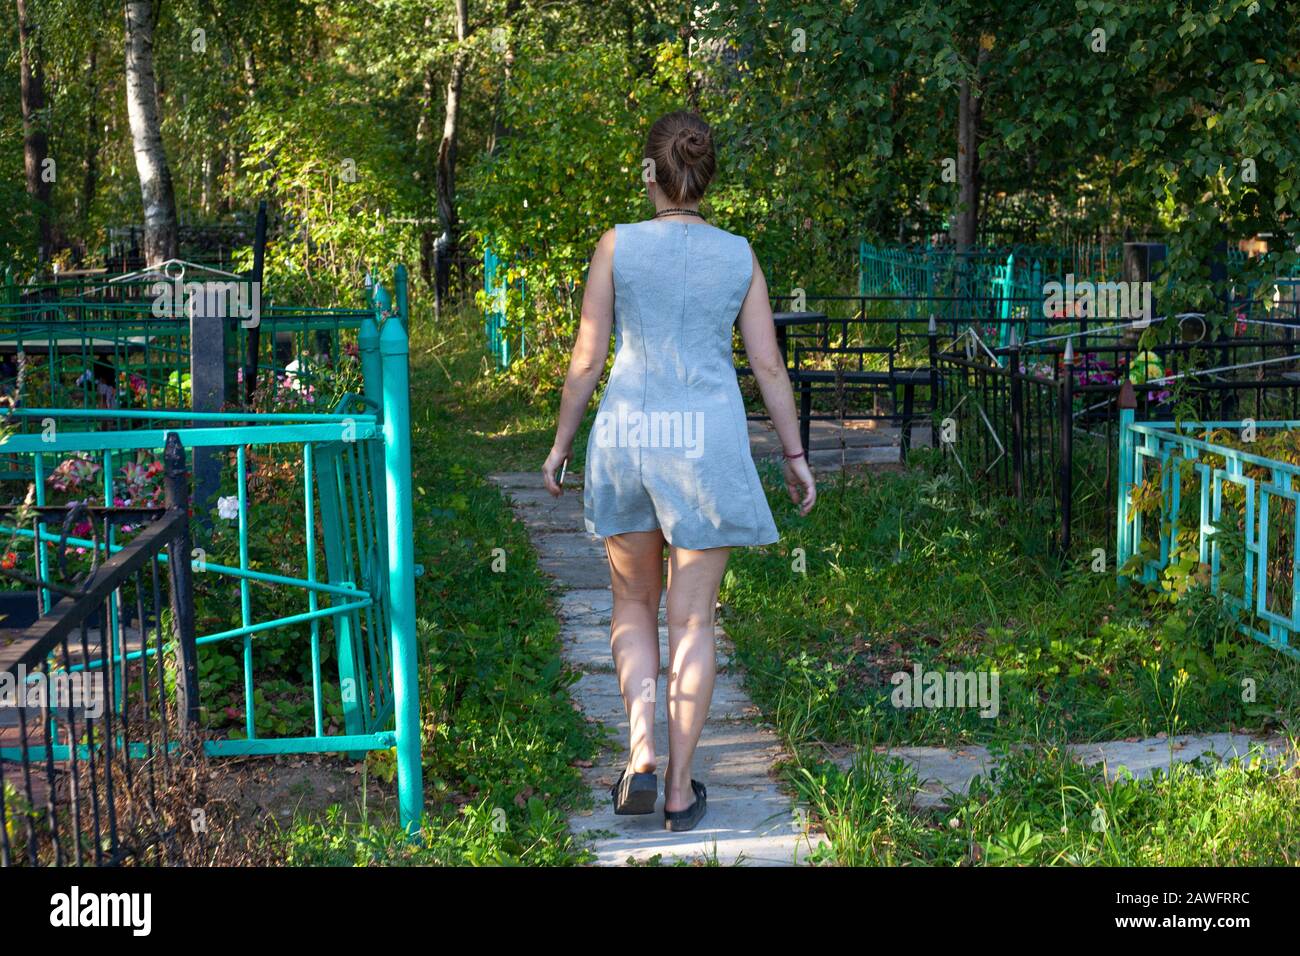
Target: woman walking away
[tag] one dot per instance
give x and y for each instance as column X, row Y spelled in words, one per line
column 668, row 458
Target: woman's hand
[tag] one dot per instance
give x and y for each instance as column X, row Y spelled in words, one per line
column 799, row 482
column 551, row 469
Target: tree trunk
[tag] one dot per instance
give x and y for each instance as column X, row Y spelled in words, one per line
column 500, row 130
column 208, row 188
column 447, row 243
column 685, row 33
column 90, row 179
column 969, row 111
column 423, row 137
column 159, row 199
column 35, row 142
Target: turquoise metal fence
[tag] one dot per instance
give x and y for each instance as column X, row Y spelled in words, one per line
column 351, row 464
column 506, row 341
column 994, row 282
column 1223, row 515
column 84, row 352
column 989, row 285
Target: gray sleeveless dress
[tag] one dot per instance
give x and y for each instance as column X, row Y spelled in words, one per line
column 669, row 448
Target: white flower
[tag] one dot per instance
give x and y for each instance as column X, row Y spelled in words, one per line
column 228, row 507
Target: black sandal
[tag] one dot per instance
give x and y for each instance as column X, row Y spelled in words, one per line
column 681, row 820
column 635, row 792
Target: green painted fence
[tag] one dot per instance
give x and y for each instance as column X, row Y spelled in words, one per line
column 1223, row 516
column 354, row 580
column 506, row 340
column 1013, row 272
column 86, row 353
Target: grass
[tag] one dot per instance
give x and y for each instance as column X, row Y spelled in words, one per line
column 1041, row 808
column 904, row 569
column 895, row 569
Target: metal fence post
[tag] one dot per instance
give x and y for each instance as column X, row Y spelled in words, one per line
column 372, row 374
column 932, row 336
column 254, row 337
column 1017, row 419
column 905, row 423
column 1127, row 403
column 805, row 412
column 393, row 347
column 372, row 386
column 400, row 296
column 1067, row 444
column 380, row 299
column 372, row 367
column 176, row 494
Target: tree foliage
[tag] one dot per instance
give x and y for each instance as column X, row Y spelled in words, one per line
column 835, row 120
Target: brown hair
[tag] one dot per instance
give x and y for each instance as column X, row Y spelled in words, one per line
column 681, row 146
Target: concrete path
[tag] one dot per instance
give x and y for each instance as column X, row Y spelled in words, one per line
column 943, row 772
column 749, row 821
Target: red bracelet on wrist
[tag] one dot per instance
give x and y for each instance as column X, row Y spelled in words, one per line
column 793, row 457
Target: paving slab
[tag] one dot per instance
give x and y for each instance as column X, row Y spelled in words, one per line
column 943, row 773
column 569, row 545
column 833, row 445
column 831, row 460
column 1142, row 758
column 744, row 826
column 585, row 605
column 580, row 572
column 750, row 820
column 601, row 699
column 587, row 648
column 523, row 480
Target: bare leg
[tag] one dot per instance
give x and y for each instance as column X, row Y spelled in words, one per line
column 636, row 574
column 693, row 580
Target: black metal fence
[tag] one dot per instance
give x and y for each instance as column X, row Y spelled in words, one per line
column 1013, row 398
column 1015, row 417
column 1005, row 427
column 103, row 695
column 859, row 358
column 1250, row 369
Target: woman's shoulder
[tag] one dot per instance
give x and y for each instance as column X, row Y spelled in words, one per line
column 734, row 237
column 735, row 243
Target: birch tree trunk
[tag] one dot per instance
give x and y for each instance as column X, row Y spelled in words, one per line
column 446, row 183
column 35, row 141
column 159, row 199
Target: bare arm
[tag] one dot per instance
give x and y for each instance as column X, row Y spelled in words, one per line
column 589, row 352
column 758, row 332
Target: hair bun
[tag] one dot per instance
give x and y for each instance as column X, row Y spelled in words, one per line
column 681, row 146
column 690, row 146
